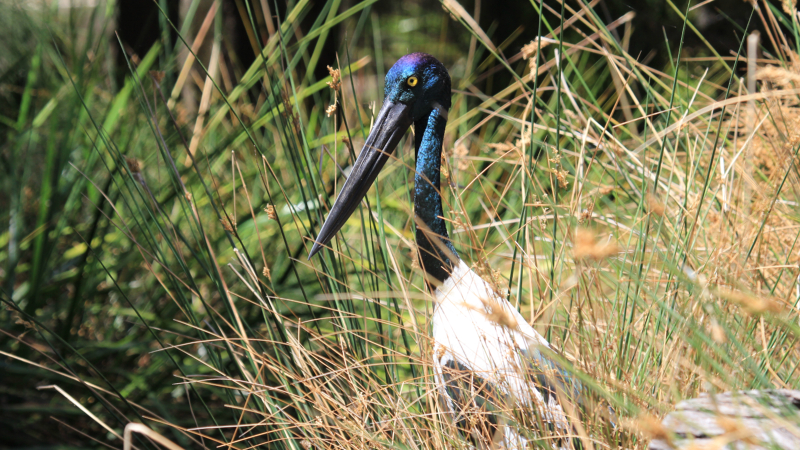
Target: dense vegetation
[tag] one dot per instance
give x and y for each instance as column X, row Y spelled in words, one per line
column 638, row 205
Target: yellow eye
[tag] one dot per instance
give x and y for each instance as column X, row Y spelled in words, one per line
column 412, row 81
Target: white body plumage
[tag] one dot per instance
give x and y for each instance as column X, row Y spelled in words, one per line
column 470, row 333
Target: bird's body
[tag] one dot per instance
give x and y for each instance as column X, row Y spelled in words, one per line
column 487, row 358
column 483, row 344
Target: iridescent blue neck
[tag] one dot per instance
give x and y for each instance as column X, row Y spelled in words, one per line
column 437, row 254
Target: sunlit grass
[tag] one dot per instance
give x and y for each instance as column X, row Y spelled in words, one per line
column 643, row 220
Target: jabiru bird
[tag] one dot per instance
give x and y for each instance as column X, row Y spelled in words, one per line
column 485, row 355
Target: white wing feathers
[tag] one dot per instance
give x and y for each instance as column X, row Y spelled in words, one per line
column 480, row 348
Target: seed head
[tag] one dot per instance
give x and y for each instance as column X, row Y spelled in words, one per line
column 133, row 164
column 330, row 110
column 531, row 50
column 752, row 304
column 270, row 210
column 501, row 148
column 157, row 75
column 336, row 78
column 461, row 152
column 561, row 176
column 605, row 190
column 228, row 224
column 717, row 333
column 735, row 426
column 495, row 312
column 587, row 247
column 586, row 214
column 651, row 427
column 655, row 206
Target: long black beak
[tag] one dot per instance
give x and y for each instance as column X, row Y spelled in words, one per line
column 392, row 122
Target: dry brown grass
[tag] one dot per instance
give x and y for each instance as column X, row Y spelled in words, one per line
column 646, row 314
column 691, row 286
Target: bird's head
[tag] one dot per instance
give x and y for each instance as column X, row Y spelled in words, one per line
column 416, row 85
column 420, row 83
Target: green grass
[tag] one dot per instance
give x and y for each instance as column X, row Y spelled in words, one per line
column 133, row 260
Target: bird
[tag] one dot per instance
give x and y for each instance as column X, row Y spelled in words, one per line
column 485, row 354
